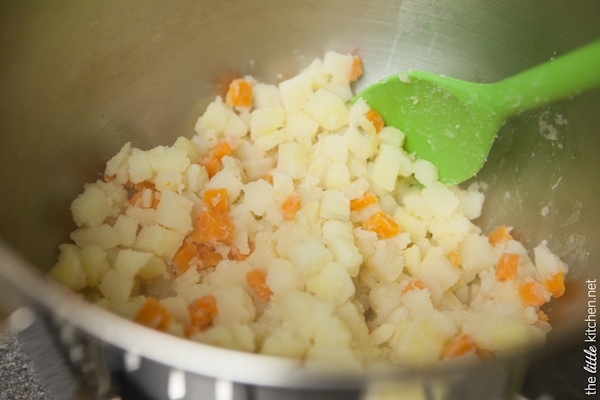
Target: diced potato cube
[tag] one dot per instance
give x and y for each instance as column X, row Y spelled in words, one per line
column 338, row 65
column 296, row 91
column 362, row 144
column 282, row 276
column 266, row 95
column 98, row 201
column 163, row 242
column 282, row 184
column 235, row 126
column 335, row 205
column 309, row 255
column 334, row 147
column 145, row 264
column 292, row 159
column 476, row 253
column 190, row 148
column 270, row 140
column 339, row 238
column 169, row 180
column 258, row 196
column 266, row 120
column 546, row 262
column 301, row 128
column 116, row 287
column 139, row 166
column 337, row 176
column 168, row 158
column 195, row 178
column 283, row 342
column 386, row 263
column 438, row 266
column 392, row 136
column 442, row 201
column 174, row 212
column 327, row 109
column 234, row 305
column 95, row 264
column 102, row 236
column 212, row 123
column 117, row 166
column 425, row 172
column 331, row 284
column 384, row 298
column 68, row 269
column 387, row 167
column 471, row 202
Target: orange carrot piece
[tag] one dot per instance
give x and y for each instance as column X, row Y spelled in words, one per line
column 363, row 202
column 213, row 226
column 290, row 206
column 186, row 256
column 507, row 266
column 209, row 257
column 414, row 284
column 257, row 279
column 202, row 311
column 356, row 69
column 533, row 293
column 212, row 161
column 383, row 225
column 221, row 149
column 153, row 315
column 454, row 258
column 458, row 346
column 555, row 284
column 499, row 235
column 376, row 119
column 211, row 164
column 216, row 199
column 239, row 93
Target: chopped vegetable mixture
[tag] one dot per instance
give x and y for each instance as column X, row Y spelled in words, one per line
column 294, row 224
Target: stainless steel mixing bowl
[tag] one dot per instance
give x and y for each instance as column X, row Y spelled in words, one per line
column 79, row 79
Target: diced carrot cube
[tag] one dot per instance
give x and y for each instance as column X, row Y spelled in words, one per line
column 454, row 258
column 533, row 293
column 202, row 311
column 290, row 206
column 555, row 284
column 209, row 257
column 507, row 266
column 212, row 164
column 257, row 279
column 363, row 202
column 414, row 284
column 216, row 199
column 153, row 315
column 458, row 346
column 221, row 149
column 383, row 225
column 186, row 256
column 500, row 235
column 239, row 93
column 356, row 69
column 213, row 226
column 376, row 119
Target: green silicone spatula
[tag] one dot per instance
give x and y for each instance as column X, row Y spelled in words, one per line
column 453, row 123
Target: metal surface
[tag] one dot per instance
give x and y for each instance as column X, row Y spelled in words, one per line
column 78, row 79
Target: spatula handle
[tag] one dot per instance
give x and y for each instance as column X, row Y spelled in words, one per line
column 566, row 75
